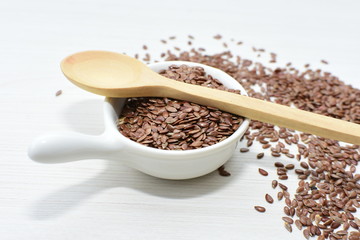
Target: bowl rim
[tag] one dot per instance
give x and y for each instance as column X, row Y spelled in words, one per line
column 216, row 73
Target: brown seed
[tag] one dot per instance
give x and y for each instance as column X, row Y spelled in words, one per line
column 243, row 150
column 288, row 202
column 306, row 233
column 304, row 165
column 288, row 226
column 260, row 155
column 335, row 225
column 324, row 62
column 274, row 154
column 268, row 198
column 287, row 210
column 289, row 166
column 278, row 164
column 298, row 224
column 58, row 93
column 283, row 177
column 274, row 183
column 353, row 225
column 260, row 209
column 263, row 172
column 280, row 195
column 265, row 146
column 288, row 220
column 282, row 186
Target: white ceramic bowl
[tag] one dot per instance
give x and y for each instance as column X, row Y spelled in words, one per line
column 112, row 145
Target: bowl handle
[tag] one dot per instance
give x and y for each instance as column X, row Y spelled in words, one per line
column 67, row 147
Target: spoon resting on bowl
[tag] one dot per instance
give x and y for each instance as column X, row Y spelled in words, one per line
column 116, row 75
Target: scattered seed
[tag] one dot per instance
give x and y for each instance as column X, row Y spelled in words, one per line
column 58, row 93
column 274, row 184
column 263, row 172
column 243, row 150
column 268, row 198
column 324, row 62
column 218, row 37
column 278, row 164
column 288, row 220
column 306, row 233
column 289, row 166
column 283, row 177
column 298, row 224
column 283, row 187
column 280, row 195
column 288, row 226
column 304, row 165
column 329, row 184
column 260, row 155
column 260, row 209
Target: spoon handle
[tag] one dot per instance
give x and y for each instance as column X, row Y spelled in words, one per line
column 268, row 112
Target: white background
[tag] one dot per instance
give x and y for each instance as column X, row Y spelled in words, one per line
column 96, row 199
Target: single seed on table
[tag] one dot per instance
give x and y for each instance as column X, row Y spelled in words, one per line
column 278, row 164
column 288, row 202
column 274, row 154
column 303, row 176
column 263, row 172
column 260, row 208
column 298, row 224
column 243, row 150
column 342, row 232
column 280, row 195
column 265, row 146
column 335, row 225
column 282, row 186
column 58, row 93
column 274, row 183
column 306, row 233
column 260, row 155
column 287, row 210
column 289, row 166
column 288, row 226
column 288, row 220
column 304, row 165
column 292, row 211
column 283, row 177
column 268, row 198
column 353, row 225
column 281, row 171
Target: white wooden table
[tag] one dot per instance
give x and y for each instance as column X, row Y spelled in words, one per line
column 96, row 199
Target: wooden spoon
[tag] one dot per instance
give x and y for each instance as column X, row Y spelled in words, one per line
column 116, row 75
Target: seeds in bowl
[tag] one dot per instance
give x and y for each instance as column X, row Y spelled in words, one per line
column 171, row 124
